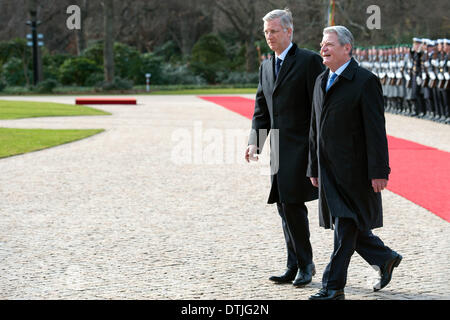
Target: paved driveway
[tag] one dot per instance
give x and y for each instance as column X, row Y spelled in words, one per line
column 162, row 206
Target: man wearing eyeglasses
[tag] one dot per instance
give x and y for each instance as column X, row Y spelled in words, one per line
column 283, row 108
column 349, row 163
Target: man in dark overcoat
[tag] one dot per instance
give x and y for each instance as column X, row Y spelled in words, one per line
column 349, row 162
column 283, row 108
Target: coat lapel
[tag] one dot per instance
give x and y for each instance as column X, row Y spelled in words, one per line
column 286, row 66
column 324, row 81
column 269, row 73
column 319, row 99
column 347, row 74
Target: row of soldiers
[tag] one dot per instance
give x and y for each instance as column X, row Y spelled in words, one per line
column 415, row 79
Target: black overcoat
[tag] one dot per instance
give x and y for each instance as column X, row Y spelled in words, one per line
column 284, row 103
column 348, row 147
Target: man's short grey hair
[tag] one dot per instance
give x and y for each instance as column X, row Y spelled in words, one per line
column 344, row 35
column 285, row 18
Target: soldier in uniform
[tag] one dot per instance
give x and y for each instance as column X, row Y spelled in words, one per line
column 380, row 64
column 442, row 72
column 437, row 58
column 364, row 60
column 407, row 76
column 446, row 85
column 393, row 80
column 430, row 92
column 399, row 81
column 391, row 90
column 357, row 54
column 425, row 90
column 416, row 78
column 369, row 60
column 432, row 84
column 387, row 92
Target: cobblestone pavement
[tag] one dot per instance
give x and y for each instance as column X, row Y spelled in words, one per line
column 137, row 212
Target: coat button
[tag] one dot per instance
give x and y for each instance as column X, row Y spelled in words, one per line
column 275, row 114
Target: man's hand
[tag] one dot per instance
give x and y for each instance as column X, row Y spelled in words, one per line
column 250, row 153
column 379, row 184
column 315, row 182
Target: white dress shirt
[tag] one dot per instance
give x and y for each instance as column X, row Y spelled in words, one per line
column 282, row 56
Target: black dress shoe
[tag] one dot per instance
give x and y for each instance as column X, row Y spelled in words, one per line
column 287, row 277
column 386, row 272
column 327, row 294
column 304, row 275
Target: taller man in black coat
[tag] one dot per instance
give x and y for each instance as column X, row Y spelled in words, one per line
column 283, row 107
column 349, row 162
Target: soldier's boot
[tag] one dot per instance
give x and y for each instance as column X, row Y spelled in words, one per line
column 408, row 109
column 402, row 106
column 413, row 105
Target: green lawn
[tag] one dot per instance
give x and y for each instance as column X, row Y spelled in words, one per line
column 26, row 109
column 19, row 141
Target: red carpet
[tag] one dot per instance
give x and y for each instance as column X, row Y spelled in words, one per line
column 420, row 174
column 105, row 101
column 243, row 106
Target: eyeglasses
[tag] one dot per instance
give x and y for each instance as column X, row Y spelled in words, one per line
column 273, row 32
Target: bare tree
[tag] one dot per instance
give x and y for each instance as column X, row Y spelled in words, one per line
column 81, row 33
column 142, row 23
column 188, row 21
column 309, row 20
column 246, row 19
column 146, row 24
column 108, row 50
column 243, row 17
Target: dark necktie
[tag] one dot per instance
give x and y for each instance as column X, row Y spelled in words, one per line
column 277, row 66
column 333, row 77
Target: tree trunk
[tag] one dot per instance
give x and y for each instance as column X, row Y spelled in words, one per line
column 251, row 55
column 81, row 34
column 243, row 19
column 108, row 51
